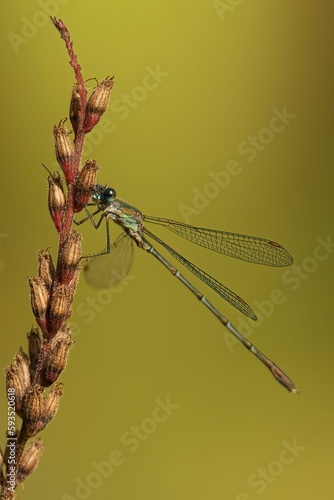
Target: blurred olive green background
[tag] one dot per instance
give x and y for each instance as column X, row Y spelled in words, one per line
column 198, row 85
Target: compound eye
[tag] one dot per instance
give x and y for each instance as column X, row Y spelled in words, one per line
column 109, row 194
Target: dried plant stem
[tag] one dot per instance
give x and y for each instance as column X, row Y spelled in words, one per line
column 80, row 135
column 32, row 391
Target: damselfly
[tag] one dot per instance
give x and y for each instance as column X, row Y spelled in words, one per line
column 100, row 272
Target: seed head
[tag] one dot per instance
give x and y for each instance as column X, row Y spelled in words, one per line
column 34, row 344
column 46, row 269
column 51, row 404
column 70, row 258
column 84, row 184
column 57, row 356
column 18, row 381
column 39, row 297
column 22, row 363
column 60, row 307
column 64, row 151
column 75, row 108
column 29, row 460
column 97, row 103
column 56, row 200
column 33, row 408
column 75, row 278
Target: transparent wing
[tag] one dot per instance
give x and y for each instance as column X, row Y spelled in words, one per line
column 239, row 246
column 104, row 271
column 214, row 284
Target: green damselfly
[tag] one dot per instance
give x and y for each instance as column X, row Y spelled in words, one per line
column 100, row 271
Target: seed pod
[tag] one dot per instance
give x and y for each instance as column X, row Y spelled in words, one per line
column 34, row 344
column 70, row 258
column 64, row 151
column 75, row 108
column 18, row 382
column 97, row 103
column 29, row 460
column 84, row 184
column 39, row 297
column 56, row 200
column 22, row 362
column 14, row 387
column 34, row 404
column 46, row 269
column 51, row 404
column 56, row 359
column 60, row 308
column 75, row 278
